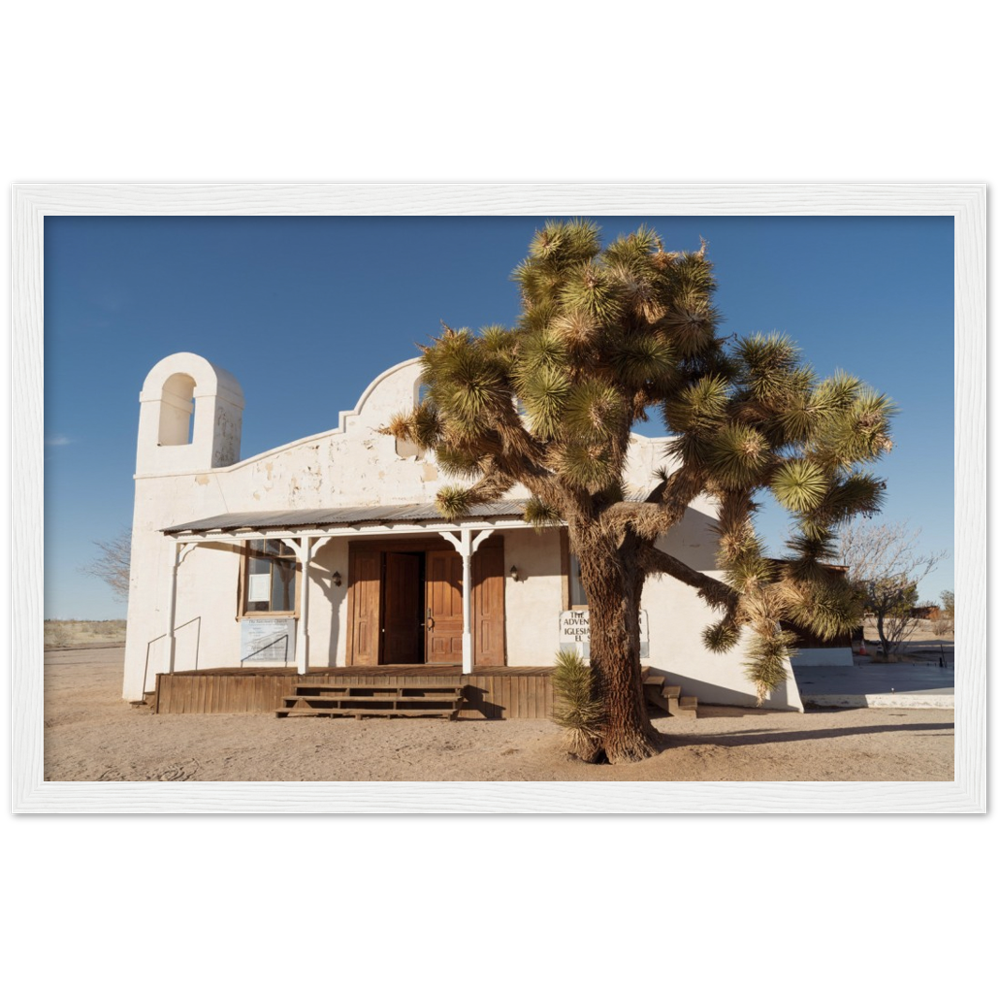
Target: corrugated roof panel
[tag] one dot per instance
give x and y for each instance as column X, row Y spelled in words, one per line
column 397, row 514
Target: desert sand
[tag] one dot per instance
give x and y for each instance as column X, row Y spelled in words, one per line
column 92, row 735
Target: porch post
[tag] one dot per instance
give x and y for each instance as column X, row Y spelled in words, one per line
column 302, row 641
column 466, row 546
column 170, row 651
column 181, row 549
column 466, row 551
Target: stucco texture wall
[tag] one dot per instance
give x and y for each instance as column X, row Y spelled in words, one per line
column 534, row 600
column 354, row 465
column 677, row 617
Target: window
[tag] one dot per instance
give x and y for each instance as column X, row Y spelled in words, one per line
column 574, row 596
column 577, row 595
column 408, row 449
column 269, row 570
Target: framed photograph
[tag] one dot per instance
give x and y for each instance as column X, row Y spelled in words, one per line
column 413, row 572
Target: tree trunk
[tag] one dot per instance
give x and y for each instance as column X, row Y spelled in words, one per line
column 883, row 640
column 613, row 582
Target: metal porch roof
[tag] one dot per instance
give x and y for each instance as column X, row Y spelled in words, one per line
column 417, row 513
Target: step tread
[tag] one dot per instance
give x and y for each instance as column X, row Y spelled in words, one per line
column 405, row 692
column 442, row 696
column 370, row 699
column 406, row 684
column 673, row 703
column 350, row 707
column 358, row 713
column 410, row 686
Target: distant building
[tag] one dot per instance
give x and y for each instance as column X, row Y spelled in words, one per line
column 328, row 553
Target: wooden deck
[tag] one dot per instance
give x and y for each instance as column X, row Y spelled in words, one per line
column 491, row 692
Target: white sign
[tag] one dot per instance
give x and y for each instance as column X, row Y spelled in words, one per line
column 259, row 587
column 267, row 640
column 574, row 633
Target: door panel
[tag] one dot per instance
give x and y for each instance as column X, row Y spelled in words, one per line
column 402, row 637
column 364, row 592
column 488, row 606
column 387, row 605
column 443, row 607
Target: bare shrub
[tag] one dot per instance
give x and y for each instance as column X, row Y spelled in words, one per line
column 886, row 566
column 112, row 565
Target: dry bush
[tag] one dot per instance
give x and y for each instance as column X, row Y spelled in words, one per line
column 112, row 565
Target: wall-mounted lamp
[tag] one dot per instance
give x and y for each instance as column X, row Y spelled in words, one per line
column 337, row 579
column 513, row 573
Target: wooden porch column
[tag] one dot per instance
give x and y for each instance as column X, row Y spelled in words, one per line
column 302, row 548
column 466, row 546
column 302, row 642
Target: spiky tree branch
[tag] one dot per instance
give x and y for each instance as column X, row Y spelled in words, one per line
column 716, row 593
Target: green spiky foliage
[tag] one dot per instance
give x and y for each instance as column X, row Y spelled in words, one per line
column 578, row 709
column 541, row 515
column 607, row 335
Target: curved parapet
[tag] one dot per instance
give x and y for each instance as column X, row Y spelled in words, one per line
column 396, row 390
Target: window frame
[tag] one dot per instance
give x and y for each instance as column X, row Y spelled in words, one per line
column 574, row 569
column 245, row 557
column 569, row 560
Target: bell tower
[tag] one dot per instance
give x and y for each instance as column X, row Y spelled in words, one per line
column 190, row 417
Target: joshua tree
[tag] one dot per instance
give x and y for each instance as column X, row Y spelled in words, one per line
column 605, row 336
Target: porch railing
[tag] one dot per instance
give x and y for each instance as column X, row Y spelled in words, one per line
column 197, row 647
column 273, row 642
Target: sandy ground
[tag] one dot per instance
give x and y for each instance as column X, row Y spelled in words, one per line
column 92, row 735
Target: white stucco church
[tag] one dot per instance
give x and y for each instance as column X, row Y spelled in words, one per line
column 328, row 554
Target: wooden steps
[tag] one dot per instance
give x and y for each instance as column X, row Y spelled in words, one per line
column 668, row 696
column 373, row 700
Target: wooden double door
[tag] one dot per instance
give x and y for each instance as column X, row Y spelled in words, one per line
column 405, row 604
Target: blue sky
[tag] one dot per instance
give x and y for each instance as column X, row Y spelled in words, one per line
column 305, row 311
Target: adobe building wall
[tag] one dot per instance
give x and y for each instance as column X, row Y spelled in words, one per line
column 354, row 465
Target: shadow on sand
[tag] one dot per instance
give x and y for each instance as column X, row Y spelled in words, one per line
column 758, row 737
